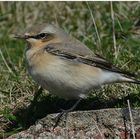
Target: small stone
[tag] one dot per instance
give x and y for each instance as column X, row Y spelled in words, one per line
column 38, row 127
column 138, row 133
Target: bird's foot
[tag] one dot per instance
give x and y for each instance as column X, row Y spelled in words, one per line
column 58, row 117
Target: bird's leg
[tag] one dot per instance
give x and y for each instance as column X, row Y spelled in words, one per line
column 58, row 117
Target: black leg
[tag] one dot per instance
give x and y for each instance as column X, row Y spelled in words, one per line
column 58, row 117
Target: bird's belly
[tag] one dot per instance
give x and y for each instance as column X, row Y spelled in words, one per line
column 66, row 79
column 70, row 79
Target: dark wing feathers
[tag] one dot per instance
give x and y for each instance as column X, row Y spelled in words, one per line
column 66, row 51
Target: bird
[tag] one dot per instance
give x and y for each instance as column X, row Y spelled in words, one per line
column 65, row 66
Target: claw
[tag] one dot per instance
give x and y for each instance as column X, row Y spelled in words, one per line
column 58, row 117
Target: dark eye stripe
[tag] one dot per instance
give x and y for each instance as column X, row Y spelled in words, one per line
column 41, row 36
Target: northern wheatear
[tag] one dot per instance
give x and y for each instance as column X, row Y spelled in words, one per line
column 65, row 66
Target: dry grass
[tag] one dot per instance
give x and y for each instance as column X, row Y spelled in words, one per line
column 110, row 29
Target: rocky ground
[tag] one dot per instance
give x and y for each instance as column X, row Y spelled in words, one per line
column 104, row 123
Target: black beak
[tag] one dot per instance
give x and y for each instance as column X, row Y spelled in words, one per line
column 24, row 37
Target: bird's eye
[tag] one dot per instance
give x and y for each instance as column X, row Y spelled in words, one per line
column 40, row 36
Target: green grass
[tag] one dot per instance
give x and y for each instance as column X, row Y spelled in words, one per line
column 17, row 88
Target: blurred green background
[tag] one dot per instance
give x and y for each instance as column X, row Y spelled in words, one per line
column 109, row 29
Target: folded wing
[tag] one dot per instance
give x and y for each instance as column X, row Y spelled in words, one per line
column 83, row 55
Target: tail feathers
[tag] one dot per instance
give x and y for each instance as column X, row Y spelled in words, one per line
column 130, row 80
column 135, row 82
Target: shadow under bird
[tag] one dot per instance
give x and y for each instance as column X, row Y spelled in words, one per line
column 65, row 66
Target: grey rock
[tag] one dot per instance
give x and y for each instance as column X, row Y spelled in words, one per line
column 105, row 123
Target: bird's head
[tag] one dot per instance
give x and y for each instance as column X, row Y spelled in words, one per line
column 41, row 35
